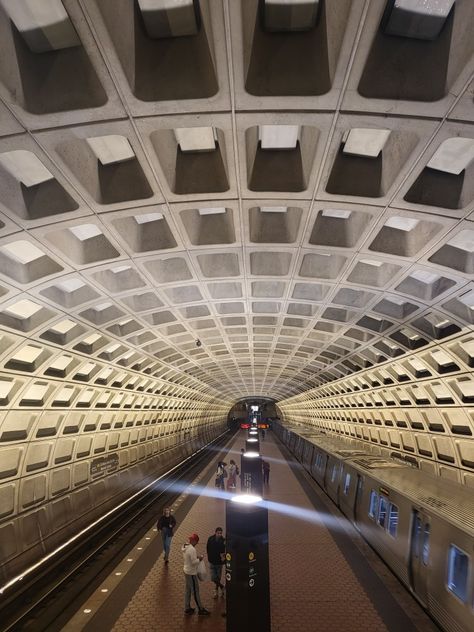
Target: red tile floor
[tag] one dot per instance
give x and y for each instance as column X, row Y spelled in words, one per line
column 313, row 586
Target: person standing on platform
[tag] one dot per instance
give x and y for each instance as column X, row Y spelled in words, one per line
column 232, row 480
column 216, row 558
column 266, row 472
column 165, row 525
column 191, row 563
column 263, row 434
column 221, row 475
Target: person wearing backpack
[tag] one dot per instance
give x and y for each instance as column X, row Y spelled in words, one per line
column 221, row 475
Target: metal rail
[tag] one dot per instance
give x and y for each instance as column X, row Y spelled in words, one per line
column 36, row 603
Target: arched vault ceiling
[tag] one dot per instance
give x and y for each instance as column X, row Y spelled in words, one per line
column 291, row 187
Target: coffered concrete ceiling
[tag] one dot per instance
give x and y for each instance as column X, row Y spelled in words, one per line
column 290, row 183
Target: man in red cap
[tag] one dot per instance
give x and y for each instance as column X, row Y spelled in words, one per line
column 191, row 563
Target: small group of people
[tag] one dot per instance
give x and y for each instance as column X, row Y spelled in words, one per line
column 215, row 547
column 231, row 475
column 233, row 472
column 215, row 550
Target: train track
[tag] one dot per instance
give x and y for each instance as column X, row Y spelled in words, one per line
column 42, row 601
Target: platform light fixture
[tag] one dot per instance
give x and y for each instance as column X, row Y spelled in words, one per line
column 246, row 499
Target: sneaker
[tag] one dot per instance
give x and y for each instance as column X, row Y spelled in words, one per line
column 203, row 612
column 189, row 611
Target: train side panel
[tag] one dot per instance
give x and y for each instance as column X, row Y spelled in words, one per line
column 449, row 561
column 431, row 555
column 384, row 520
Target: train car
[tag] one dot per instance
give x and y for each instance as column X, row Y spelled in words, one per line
column 327, row 455
column 335, row 479
column 421, row 526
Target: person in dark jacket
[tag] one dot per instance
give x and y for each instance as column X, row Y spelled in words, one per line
column 216, row 558
column 166, row 525
column 221, row 475
column 266, row 472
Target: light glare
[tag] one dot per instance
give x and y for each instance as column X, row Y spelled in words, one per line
column 246, row 499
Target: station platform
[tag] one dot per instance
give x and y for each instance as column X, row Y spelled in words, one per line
column 323, row 576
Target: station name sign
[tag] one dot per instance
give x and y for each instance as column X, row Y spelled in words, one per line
column 104, row 465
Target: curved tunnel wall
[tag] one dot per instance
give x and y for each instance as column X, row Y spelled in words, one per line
column 418, row 407
column 168, row 179
column 79, row 436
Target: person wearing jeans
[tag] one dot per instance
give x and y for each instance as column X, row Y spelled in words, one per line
column 165, row 525
column 216, row 557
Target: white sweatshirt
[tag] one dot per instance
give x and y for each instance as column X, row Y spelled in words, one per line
column 190, row 558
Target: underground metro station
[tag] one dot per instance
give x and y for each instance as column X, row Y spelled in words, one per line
column 236, row 293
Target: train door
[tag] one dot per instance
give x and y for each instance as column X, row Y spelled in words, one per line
column 308, row 460
column 419, row 554
column 358, row 496
column 325, row 470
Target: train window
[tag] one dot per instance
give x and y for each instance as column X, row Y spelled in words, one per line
column 426, row 544
column 334, row 472
column 458, row 569
column 374, row 501
column 382, row 517
column 347, row 484
column 393, row 520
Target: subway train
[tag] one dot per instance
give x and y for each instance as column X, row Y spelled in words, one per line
column 420, row 525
